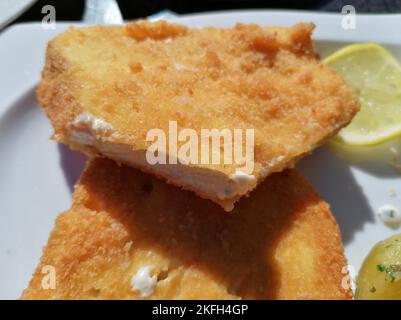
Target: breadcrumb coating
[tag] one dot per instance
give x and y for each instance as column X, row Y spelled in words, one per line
column 280, row 243
column 142, row 75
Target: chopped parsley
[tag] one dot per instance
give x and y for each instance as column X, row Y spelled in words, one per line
column 393, row 272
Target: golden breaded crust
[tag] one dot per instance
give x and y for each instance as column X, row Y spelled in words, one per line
column 141, row 76
column 280, row 243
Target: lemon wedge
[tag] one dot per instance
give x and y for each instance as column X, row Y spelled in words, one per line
column 375, row 75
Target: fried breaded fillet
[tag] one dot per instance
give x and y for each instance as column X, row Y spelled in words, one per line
column 129, row 235
column 105, row 88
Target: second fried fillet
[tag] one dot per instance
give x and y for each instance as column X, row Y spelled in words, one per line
column 105, row 88
column 129, row 235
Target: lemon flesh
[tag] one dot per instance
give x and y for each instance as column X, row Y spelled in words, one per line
column 375, row 75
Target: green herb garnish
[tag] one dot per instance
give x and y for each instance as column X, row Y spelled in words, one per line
column 393, row 272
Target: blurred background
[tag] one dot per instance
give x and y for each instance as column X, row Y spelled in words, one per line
column 132, row 9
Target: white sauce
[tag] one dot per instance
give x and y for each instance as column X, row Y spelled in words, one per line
column 86, row 128
column 390, row 216
column 143, row 282
column 244, row 181
column 275, row 161
column 242, row 177
column 88, row 120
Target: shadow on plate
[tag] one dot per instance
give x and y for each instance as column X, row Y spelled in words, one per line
column 383, row 160
column 72, row 164
column 333, row 179
column 14, row 119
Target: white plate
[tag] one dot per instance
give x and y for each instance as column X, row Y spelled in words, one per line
column 37, row 175
column 11, row 9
